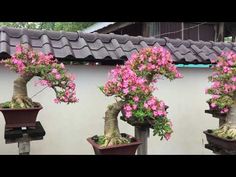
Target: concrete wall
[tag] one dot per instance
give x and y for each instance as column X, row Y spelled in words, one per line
column 68, row 126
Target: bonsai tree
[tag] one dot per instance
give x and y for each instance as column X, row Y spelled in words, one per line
column 28, row 63
column 132, row 85
column 223, row 92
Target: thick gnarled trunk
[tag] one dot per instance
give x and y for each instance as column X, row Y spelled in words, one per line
column 111, row 129
column 229, row 128
column 20, row 97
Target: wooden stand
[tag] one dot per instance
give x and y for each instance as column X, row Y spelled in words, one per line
column 23, row 136
column 142, row 133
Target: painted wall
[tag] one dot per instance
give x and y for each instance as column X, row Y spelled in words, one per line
column 68, row 126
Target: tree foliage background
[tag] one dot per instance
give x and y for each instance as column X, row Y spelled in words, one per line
column 57, row 26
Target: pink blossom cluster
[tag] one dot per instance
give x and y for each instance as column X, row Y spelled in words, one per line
column 223, row 82
column 24, row 57
column 123, row 81
column 52, row 74
column 158, row 108
column 152, row 106
column 152, row 61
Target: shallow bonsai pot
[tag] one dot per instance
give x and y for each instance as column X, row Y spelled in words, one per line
column 137, row 123
column 134, row 122
column 123, row 149
column 221, row 143
column 16, row 118
column 216, row 113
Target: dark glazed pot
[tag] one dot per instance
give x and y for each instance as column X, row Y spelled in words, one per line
column 222, row 143
column 15, row 118
column 146, row 123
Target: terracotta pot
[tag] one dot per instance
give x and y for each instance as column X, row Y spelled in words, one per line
column 221, row 143
column 16, row 118
column 123, row 149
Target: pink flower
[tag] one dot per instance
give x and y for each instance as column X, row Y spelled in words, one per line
column 56, row 100
column 213, row 60
column 54, row 71
column 155, row 113
column 135, row 106
column 142, row 67
column 133, row 88
column 160, row 113
column 215, row 96
column 213, row 105
column 125, row 84
column 136, row 98
column 151, row 102
column 154, row 107
column 226, row 69
column 216, row 84
column 162, row 104
column 126, row 91
column 225, row 110
column 178, row 75
column 233, row 79
column 128, row 114
column 18, row 49
column 62, row 66
column 128, row 108
column 231, row 63
column 71, row 85
column 146, row 105
column 167, row 136
column 58, row 76
column 72, row 77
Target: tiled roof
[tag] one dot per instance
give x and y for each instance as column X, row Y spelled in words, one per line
column 79, row 46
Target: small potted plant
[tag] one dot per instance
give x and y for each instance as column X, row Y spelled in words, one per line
column 132, row 85
column 223, row 100
column 21, row 111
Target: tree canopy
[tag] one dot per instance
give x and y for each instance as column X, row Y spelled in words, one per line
column 57, row 26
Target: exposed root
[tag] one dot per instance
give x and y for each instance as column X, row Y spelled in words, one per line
column 225, row 131
column 114, row 140
column 21, row 102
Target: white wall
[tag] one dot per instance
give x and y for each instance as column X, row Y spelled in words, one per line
column 68, row 126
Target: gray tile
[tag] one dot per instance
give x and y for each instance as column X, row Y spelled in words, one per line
column 81, row 46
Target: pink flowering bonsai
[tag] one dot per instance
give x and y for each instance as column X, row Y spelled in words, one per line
column 28, row 64
column 223, row 91
column 132, row 85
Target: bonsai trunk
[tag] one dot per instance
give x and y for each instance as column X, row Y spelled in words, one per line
column 111, row 131
column 20, row 97
column 229, row 128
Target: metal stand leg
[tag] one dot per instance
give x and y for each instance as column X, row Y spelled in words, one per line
column 143, row 134
column 221, row 121
column 24, row 145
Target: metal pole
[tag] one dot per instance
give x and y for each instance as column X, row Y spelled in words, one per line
column 24, row 145
column 143, row 134
column 182, row 30
column 222, row 120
